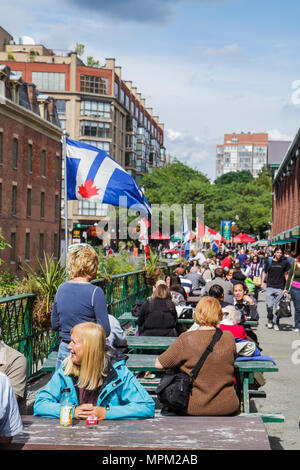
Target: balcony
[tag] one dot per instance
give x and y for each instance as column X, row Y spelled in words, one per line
column 130, row 159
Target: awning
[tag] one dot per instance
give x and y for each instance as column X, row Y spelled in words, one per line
column 283, row 242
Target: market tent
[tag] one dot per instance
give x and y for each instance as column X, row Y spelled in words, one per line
column 284, row 241
column 158, row 236
column 245, row 238
column 237, row 239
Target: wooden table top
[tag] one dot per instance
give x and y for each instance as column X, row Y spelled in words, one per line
column 165, row 433
column 127, row 316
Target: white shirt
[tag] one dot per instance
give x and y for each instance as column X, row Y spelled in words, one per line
column 10, row 419
column 117, row 335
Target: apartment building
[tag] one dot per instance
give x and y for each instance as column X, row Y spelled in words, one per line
column 30, row 172
column 244, row 151
column 95, row 106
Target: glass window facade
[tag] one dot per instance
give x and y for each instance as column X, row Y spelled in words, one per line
column 54, row 81
column 95, row 108
column 95, row 129
column 99, row 144
column 93, row 84
column 61, row 106
column 92, row 208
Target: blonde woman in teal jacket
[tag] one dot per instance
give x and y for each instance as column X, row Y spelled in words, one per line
column 99, row 381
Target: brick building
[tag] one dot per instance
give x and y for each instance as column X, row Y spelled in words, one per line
column 30, row 172
column 95, row 106
column 286, row 199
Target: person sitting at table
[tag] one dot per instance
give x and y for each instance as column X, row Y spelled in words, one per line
column 14, row 364
column 178, row 293
column 230, row 322
column 78, row 300
column 213, row 391
column 158, row 316
column 217, row 292
column 243, row 302
column 220, row 280
column 10, row 419
column 117, row 337
column 246, row 306
column 100, row 382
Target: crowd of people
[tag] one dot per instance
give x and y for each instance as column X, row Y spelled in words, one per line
column 92, row 365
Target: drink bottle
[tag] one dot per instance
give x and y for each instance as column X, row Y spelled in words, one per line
column 66, row 408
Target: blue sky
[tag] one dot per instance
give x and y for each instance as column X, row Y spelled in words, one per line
column 206, row 67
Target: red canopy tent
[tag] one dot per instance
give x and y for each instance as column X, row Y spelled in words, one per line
column 158, row 236
column 245, row 238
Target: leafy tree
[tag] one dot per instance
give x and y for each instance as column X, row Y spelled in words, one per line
column 235, row 177
column 91, row 62
column 79, row 49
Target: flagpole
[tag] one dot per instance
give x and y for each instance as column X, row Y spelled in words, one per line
column 64, row 152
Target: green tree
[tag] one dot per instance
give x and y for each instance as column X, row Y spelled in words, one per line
column 91, row 62
column 235, row 177
column 79, row 49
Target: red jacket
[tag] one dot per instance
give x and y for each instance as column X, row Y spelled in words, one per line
column 226, row 263
column 238, row 331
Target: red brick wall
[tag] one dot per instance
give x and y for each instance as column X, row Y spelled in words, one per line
column 20, row 222
column 286, row 204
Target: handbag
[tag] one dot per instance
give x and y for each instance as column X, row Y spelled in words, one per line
column 175, row 388
column 284, row 307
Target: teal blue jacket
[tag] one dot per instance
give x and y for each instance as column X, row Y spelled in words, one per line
column 121, row 394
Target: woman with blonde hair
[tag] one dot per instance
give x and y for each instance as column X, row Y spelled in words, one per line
column 78, row 300
column 213, row 390
column 100, row 383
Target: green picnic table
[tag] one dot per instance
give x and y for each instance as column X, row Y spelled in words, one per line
column 128, row 317
column 244, row 371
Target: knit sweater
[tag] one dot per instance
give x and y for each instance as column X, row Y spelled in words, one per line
column 213, row 392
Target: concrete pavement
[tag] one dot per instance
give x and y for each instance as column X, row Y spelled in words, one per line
column 283, row 387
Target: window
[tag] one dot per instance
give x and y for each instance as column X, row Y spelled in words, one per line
column 62, row 123
column 13, row 247
column 41, row 247
column 1, row 148
column 29, row 158
column 27, row 246
column 57, row 167
column 95, row 108
column 116, row 90
column 56, row 207
column 42, row 208
column 14, row 201
column 99, row 144
column 132, row 108
column 28, row 204
column 95, row 129
column 44, row 163
column 127, row 102
column 122, row 98
column 137, row 112
column 92, row 208
column 93, row 84
column 53, row 81
column 15, row 153
column 55, row 245
column 61, row 106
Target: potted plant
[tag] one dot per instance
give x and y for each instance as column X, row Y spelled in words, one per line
column 152, row 271
column 45, row 284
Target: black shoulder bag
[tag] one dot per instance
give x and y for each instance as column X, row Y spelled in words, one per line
column 174, row 389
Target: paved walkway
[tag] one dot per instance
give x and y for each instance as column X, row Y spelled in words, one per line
column 283, row 387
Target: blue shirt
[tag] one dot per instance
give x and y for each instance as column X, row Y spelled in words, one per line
column 77, row 302
column 10, row 419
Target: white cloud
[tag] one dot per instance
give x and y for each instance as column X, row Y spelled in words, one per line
column 275, row 134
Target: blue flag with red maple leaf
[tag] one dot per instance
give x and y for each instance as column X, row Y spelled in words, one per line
column 92, row 174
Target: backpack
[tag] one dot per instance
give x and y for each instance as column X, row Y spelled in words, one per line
column 136, row 307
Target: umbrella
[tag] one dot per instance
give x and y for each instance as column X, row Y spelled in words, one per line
column 262, row 243
column 237, row 239
column 245, row 238
column 158, row 236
